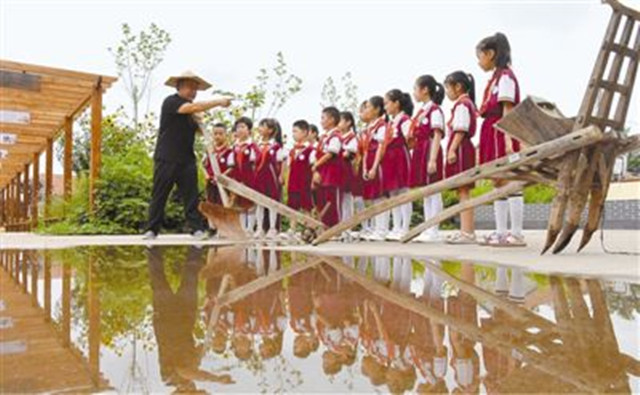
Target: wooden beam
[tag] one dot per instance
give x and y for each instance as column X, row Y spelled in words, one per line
column 96, row 142
column 32, row 68
column 68, row 157
column 26, row 192
column 48, row 178
column 36, row 189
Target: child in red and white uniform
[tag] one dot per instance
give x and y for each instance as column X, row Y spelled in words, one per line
column 302, row 156
column 373, row 147
column 427, row 131
column 268, row 167
column 223, row 153
column 329, row 168
column 353, row 181
column 396, row 159
column 461, row 155
column 245, row 154
column 500, row 96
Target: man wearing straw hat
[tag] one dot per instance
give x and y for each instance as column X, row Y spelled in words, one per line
column 174, row 159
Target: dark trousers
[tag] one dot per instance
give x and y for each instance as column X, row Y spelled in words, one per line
column 165, row 176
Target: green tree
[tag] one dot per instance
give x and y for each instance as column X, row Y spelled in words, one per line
column 344, row 97
column 136, row 57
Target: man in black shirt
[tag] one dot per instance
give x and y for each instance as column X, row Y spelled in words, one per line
column 174, row 159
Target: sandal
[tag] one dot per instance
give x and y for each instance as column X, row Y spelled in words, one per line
column 461, row 238
column 509, row 241
column 492, row 239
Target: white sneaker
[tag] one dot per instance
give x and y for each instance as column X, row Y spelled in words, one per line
column 149, row 235
column 426, row 237
column 394, row 235
column 272, row 234
column 377, row 236
column 200, row 235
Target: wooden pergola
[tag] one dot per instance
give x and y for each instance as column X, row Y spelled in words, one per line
column 38, row 104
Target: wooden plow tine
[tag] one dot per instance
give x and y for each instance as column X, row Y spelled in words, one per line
column 489, row 197
column 529, row 155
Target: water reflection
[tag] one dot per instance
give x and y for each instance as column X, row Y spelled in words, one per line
column 233, row 319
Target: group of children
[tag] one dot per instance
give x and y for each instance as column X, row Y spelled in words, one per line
column 337, row 173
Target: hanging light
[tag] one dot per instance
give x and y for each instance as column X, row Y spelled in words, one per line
column 8, row 138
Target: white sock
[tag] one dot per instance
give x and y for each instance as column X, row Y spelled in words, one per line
column 381, row 221
column 407, row 210
column 251, row 222
column 259, row 217
column 500, row 211
column 502, row 282
column 516, row 290
column 273, row 218
column 516, row 208
column 347, row 206
column 436, row 208
column 243, row 221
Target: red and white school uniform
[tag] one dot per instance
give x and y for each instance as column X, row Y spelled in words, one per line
column 267, row 181
column 424, row 124
column 331, row 178
column 396, row 160
column 395, row 172
column 301, row 159
column 374, row 138
column 224, row 156
column 463, row 120
column 245, row 154
column 353, row 179
column 502, row 88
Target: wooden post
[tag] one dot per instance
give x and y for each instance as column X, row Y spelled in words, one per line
column 36, row 189
column 47, row 285
column 48, row 178
column 27, row 195
column 68, row 152
column 3, row 199
column 96, row 141
column 66, row 304
column 19, row 198
column 93, row 303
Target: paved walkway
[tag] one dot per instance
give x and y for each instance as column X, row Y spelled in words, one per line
column 592, row 261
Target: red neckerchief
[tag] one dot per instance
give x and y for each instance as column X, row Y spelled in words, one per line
column 265, row 147
column 296, row 150
column 390, row 132
column 241, row 145
column 369, row 132
column 459, row 100
column 220, row 149
column 486, row 97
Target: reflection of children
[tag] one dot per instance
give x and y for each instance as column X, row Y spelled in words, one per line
column 301, row 315
column 268, row 167
column 461, row 156
column 223, row 154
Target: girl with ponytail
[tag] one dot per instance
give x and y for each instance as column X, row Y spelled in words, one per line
column 500, row 96
column 461, row 156
column 268, row 168
column 425, row 135
column 396, row 159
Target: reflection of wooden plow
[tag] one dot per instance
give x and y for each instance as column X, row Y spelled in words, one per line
column 574, row 155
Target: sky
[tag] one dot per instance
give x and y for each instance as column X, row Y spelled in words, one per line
column 384, row 44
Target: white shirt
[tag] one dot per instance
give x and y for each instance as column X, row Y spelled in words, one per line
column 405, row 128
column 333, row 145
column 506, row 89
column 436, row 119
column 461, row 119
column 352, row 145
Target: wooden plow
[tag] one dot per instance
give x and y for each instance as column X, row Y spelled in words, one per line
column 575, row 155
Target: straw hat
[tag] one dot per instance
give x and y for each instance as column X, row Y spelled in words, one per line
column 190, row 75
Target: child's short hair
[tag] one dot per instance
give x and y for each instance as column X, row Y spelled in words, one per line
column 245, row 120
column 333, row 113
column 302, row 125
column 220, row 125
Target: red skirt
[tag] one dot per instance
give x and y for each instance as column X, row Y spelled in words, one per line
column 332, row 173
column 466, row 158
column 420, row 157
column 372, row 189
column 492, row 141
column 300, row 201
column 395, row 168
column 357, row 185
column 328, row 195
column 266, row 182
column 352, row 178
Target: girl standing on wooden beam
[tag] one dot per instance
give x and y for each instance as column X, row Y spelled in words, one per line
column 500, row 96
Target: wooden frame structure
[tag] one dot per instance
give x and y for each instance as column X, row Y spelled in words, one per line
column 38, row 104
